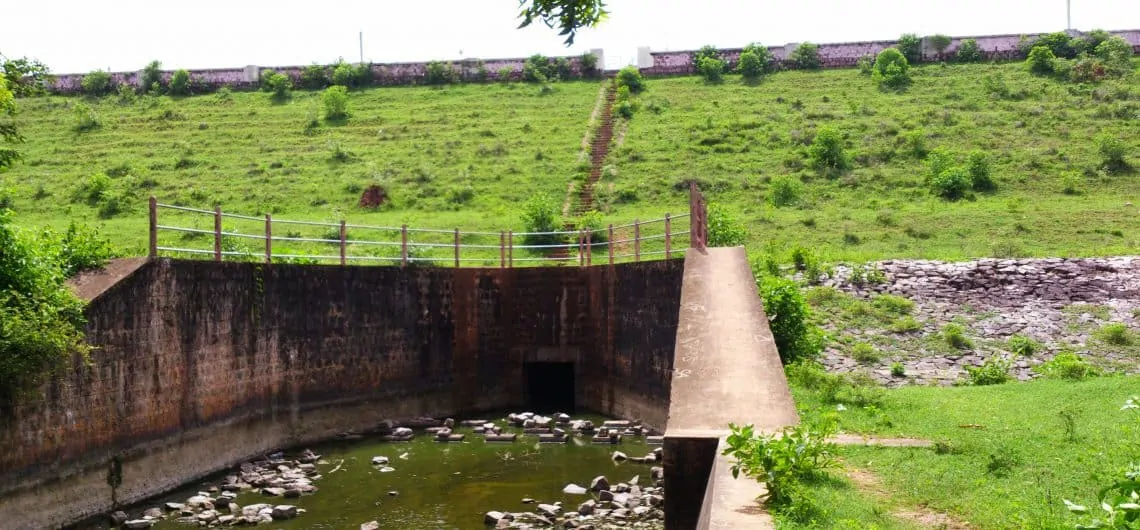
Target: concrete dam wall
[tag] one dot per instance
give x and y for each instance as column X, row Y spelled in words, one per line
column 202, row 365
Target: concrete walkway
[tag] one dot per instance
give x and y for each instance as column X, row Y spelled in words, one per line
column 726, row 370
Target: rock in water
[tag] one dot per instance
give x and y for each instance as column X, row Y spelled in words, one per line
column 380, row 460
column 118, row 518
column 370, row 525
column 574, row 489
column 587, row 508
column 599, row 484
column 138, row 524
column 619, row 456
column 549, row 510
column 493, row 518
column 387, row 469
column 284, row 511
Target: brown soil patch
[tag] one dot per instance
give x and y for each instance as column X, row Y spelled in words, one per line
column 856, row 439
column 89, row 284
column 373, row 197
column 920, row 515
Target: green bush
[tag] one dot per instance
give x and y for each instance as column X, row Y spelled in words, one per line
column 724, row 229
column 784, row 190
column 1041, row 60
column 955, row 336
column 180, row 83
column 41, row 321
column 914, row 143
column 563, row 70
column 940, row 42
column 335, row 101
column 978, row 167
column 1115, row 333
column 891, row 69
column 440, row 73
column 790, row 319
column 538, row 69
column 897, row 369
column 589, row 64
column 767, row 61
column 96, row 83
column 910, row 45
column 1059, row 43
column 864, row 353
column 277, row 84
column 711, row 68
column 806, row 56
column 750, row 65
column 85, row 118
column 826, row 151
column 1023, row 346
column 1112, row 152
column 866, row 65
column 947, row 180
column 1116, row 54
column 152, row 77
column 504, row 74
column 905, row 324
column 855, row 389
column 1068, row 366
column 892, row 304
column 630, row 77
column 314, row 77
column 706, row 52
column 540, row 216
column 968, row 51
column 784, row 461
column 994, row 371
column 626, row 108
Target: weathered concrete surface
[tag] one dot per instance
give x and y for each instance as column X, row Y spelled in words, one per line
column 201, row 365
column 726, row 370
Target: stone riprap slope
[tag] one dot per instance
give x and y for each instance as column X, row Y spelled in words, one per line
column 1063, row 304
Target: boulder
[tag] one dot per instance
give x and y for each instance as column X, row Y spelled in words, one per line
column 138, row 524
column 273, row 492
column 199, row 501
column 253, row 509
column 387, row 469
column 207, row 515
column 379, row 460
column 154, row 512
column 548, row 510
column 118, row 518
column 656, row 472
column 605, row 495
column 618, row 456
column 493, row 518
column 574, row 489
column 227, row 519
column 370, row 525
column 283, row 511
column 599, row 484
column 587, row 508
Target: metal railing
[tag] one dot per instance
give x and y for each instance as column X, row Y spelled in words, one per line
column 292, row 241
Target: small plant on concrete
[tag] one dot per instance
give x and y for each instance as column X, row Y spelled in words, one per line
column 783, row 462
column 335, row 101
column 1022, row 345
column 955, row 335
column 994, row 371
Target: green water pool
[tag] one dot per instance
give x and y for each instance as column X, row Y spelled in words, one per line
column 438, row 485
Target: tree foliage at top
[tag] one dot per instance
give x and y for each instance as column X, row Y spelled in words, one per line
column 26, row 77
column 8, row 132
column 566, row 15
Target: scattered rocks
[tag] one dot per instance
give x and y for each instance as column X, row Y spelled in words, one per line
column 633, row 507
column 574, row 489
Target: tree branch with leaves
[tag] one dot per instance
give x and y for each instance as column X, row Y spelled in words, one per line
column 569, row 16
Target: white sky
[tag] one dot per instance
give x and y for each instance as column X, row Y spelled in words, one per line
column 82, row 35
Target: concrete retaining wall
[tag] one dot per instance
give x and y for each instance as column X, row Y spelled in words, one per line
column 201, row 365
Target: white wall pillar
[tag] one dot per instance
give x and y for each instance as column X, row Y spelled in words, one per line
column 252, row 74
column 644, row 58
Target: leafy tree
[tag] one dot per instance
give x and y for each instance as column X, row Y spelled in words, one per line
column 711, row 68
column 940, row 42
column 755, row 61
column 911, row 47
column 707, row 51
column 277, row 83
column 26, row 77
column 314, row 76
column 630, row 77
column 790, row 319
column 1116, row 54
column 1041, row 60
column 440, row 73
column 1059, row 43
column 806, row 56
column 567, row 15
column 541, row 217
column 826, row 151
column 335, row 100
column 538, row 69
column 589, row 64
column 96, row 83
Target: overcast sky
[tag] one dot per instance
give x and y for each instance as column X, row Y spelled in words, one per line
column 81, row 35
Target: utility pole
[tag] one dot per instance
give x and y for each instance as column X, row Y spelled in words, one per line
column 1069, row 15
column 361, row 47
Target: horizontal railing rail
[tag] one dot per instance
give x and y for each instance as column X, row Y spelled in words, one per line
column 299, row 241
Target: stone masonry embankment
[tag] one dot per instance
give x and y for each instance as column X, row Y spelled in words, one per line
column 202, row 365
column 1060, row 303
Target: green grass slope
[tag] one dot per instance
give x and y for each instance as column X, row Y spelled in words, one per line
column 735, row 138
column 459, row 156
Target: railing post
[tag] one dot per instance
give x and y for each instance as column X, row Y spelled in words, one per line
column 217, row 233
column 403, row 245
column 704, row 207
column 502, row 249
column 611, row 245
column 636, row 240
column 343, row 243
column 694, row 216
column 510, row 249
column 153, row 227
column 581, row 255
column 457, row 248
column 589, row 247
column 268, row 239
column 668, row 243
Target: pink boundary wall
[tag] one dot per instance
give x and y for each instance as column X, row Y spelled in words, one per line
column 836, row 55
column 846, row 54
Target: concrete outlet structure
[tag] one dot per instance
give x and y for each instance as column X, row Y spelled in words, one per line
column 202, row 365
